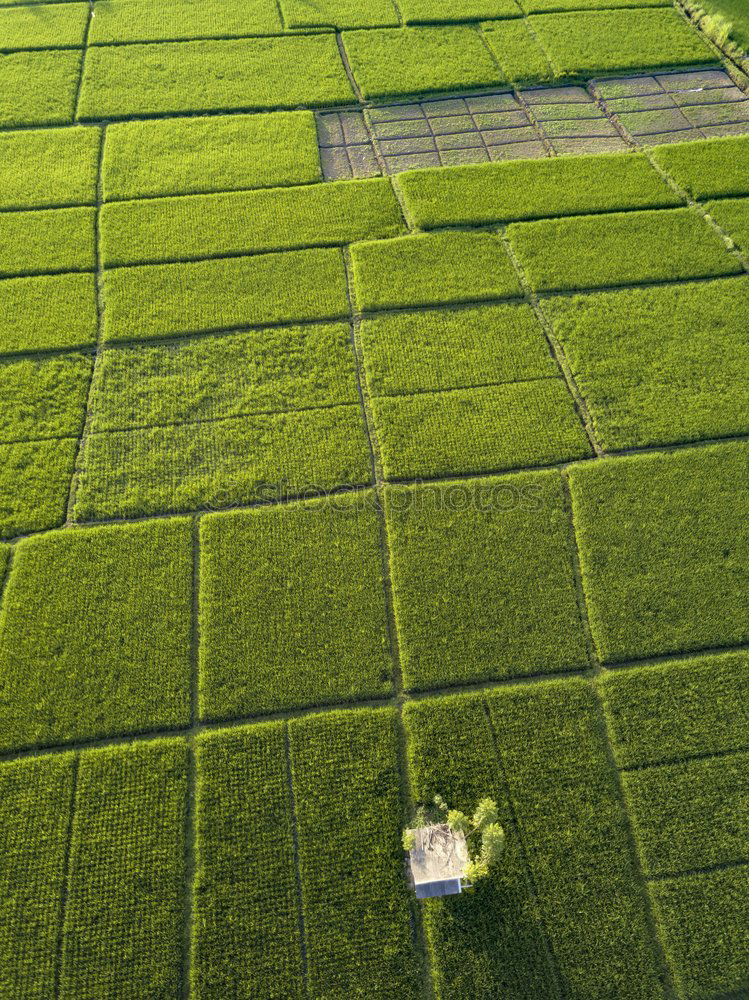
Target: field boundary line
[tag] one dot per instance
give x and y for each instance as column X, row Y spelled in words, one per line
column 297, row 863
column 84, row 51
column 66, row 879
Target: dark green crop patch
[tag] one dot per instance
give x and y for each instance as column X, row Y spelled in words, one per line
column 517, row 51
column 244, row 866
column 480, row 194
column 163, row 299
column 704, row 920
column 34, row 484
column 218, row 464
column 263, row 371
column 494, row 550
column 199, row 155
column 35, row 801
column 662, row 364
column 301, row 14
column 124, row 907
column 239, row 222
column 292, row 607
column 38, row 88
column 710, row 169
column 43, row 26
column 244, row 75
column 690, row 815
column 48, row 240
column 583, row 43
column 184, row 19
column 95, row 634
column 48, row 167
column 590, row 251
column 487, row 429
column 388, row 62
column 47, row 311
column 732, row 215
column 685, row 708
column 407, row 352
column 43, row 398
column 349, row 852
column 432, row 269
column 649, row 591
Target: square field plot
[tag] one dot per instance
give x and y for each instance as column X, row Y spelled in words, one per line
column 497, row 552
column 95, row 634
column 619, row 249
column 434, row 349
column 704, row 922
column 35, row 481
column 124, row 906
column 301, row 14
column 663, row 546
column 292, row 608
column 45, row 167
column 686, row 708
column 43, row 26
column 46, row 241
column 48, row 311
column 732, row 215
column 659, row 365
column 38, row 88
column 608, row 41
column 132, row 21
column 209, row 378
column 710, row 169
column 165, row 299
column 507, row 192
column 484, row 429
column 43, row 397
column 211, row 225
column 432, row 269
column 35, row 803
column 216, row 464
column 250, row 74
column 394, row 61
column 198, row 155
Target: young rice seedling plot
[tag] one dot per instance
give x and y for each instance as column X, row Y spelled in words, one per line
column 374, row 426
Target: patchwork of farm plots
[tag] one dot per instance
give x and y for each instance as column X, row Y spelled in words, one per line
column 348, row 456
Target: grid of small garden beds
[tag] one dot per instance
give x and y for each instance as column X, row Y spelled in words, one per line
column 321, row 497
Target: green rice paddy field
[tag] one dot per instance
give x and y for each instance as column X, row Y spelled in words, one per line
column 319, row 497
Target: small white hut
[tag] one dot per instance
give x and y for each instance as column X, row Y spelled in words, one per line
column 438, row 861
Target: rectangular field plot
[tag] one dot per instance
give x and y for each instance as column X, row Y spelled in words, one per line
column 431, row 11
column 619, row 249
column 38, row 88
column 450, row 348
column 199, row 155
column 517, row 50
column 690, row 815
column 208, row 378
column 240, row 222
column 732, row 215
column 704, row 920
column 690, row 707
column 56, row 310
column 710, row 169
column 246, row 932
column 250, row 74
column 202, row 296
column 388, row 62
column 301, row 14
column 486, row 429
column 35, row 804
column 659, row 365
column 43, row 26
column 490, row 941
column 432, row 269
column 495, row 550
column 110, row 607
column 506, row 192
column 292, row 607
column 43, row 398
column 647, row 592
column 124, row 910
column 34, row 484
column 354, row 895
column 60, row 239
column 47, row 167
column 217, row 464
column 135, row 21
